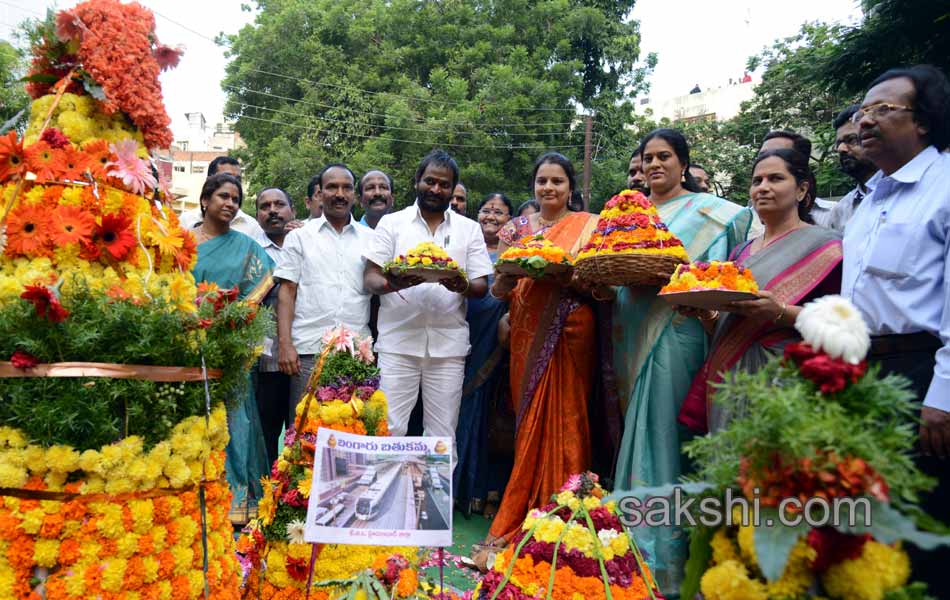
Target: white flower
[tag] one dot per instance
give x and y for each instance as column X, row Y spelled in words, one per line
column 295, row 532
column 606, row 536
column 833, row 325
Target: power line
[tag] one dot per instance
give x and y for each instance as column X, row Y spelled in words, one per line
column 352, row 87
column 23, row 8
column 394, row 127
column 425, row 143
column 246, row 89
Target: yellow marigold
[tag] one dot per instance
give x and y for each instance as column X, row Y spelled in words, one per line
column 879, row 569
column 730, row 581
column 113, row 572
column 32, row 521
column 723, row 548
column 746, row 539
column 12, row 476
column 45, row 552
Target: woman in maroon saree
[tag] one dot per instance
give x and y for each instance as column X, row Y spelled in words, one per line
column 793, row 262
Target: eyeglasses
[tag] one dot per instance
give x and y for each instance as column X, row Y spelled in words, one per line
column 496, row 212
column 878, row 110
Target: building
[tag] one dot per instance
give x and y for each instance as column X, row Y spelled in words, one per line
column 717, row 103
column 193, row 150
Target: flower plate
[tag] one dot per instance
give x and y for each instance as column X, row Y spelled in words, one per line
column 549, row 271
column 427, row 273
column 708, row 299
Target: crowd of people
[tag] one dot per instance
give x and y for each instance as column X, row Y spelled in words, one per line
column 537, row 379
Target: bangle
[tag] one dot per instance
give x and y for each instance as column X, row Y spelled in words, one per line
column 714, row 315
column 781, row 314
column 468, row 285
column 593, row 294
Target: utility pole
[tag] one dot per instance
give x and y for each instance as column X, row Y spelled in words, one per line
column 588, row 132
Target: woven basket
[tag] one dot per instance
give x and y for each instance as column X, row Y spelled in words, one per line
column 624, row 269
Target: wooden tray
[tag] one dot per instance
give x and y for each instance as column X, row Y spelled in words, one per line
column 551, row 270
column 708, row 299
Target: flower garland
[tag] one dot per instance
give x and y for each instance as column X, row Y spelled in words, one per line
column 128, row 523
column 714, row 275
column 575, row 547
column 630, row 224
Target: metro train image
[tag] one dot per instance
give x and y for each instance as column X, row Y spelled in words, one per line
column 436, row 478
column 367, row 506
column 368, row 477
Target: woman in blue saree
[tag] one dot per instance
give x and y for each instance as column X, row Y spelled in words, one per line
column 480, row 475
column 657, row 351
column 231, row 259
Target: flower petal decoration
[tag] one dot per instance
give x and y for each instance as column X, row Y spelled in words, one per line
column 115, row 235
column 12, row 159
column 72, row 225
column 833, row 325
column 42, row 160
column 135, row 173
column 167, row 56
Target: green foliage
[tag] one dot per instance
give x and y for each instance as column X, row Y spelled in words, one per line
column 377, row 84
column 344, row 367
column 894, row 33
column 13, row 98
column 90, row 412
column 781, row 413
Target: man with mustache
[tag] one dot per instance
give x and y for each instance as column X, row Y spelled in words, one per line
column 460, row 199
column 314, row 205
column 636, row 180
column 853, row 163
column 423, row 335
column 375, row 190
column 895, row 265
column 321, row 277
column 272, row 388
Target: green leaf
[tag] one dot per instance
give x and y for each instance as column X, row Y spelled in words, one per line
column 40, row 78
column 774, row 542
column 95, row 90
column 700, row 553
column 888, row 526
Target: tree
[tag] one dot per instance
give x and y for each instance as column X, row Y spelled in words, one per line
column 12, row 97
column 894, row 33
column 377, row 84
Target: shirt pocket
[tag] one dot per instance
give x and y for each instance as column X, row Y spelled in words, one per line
column 895, row 251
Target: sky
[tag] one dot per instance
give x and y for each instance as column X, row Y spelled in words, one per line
column 697, row 41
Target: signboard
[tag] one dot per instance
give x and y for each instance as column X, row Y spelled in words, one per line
column 380, row 490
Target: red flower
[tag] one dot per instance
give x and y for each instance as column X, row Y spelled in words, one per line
column 298, row 568
column 23, row 360
column 834, row 547
column 115, row 235
column 167, row 56
column 830, row 374
column 45, row 303
column 55, row 138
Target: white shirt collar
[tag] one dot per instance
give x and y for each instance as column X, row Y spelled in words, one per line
column 448, row 214
column 914, row 169
column 322, row 221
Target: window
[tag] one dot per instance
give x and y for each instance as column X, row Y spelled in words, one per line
column 179, row 168
column 197, row 169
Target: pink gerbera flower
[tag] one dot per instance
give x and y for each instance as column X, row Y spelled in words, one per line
column 167, row 56
column 134, row 172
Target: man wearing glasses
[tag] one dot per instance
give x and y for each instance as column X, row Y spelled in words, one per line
column 895, row 264
column 853, row 163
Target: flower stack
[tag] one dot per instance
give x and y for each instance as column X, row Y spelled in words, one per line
column 113, row 370
column 714, row 275
column 575, row 547
column 534, row 256
column 342, row 394
column 426, row 255
column 816, row 425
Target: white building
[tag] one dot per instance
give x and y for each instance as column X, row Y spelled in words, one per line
column 717, row 103
column 192, row 152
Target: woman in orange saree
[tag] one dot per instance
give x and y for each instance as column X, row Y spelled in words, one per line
column 553, row 342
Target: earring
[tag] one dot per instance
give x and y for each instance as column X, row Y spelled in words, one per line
column 683, row 177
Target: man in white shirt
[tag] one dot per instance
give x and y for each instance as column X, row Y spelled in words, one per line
column 423, row 334
column 313, row 202
column 271, row 387
column 242, row 221
column 321, row 277
column 853, row 163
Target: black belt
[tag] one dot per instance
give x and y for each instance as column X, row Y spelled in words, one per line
column 921, row 341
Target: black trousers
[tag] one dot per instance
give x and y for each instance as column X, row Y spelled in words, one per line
column 928, row 566
column 272, row 392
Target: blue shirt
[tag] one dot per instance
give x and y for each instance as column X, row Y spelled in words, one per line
column 895, row 267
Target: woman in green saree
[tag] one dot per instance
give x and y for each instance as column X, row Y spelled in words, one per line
column 657, row 351
column 231, row 259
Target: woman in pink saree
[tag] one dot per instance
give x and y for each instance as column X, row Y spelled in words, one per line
column 793, row 262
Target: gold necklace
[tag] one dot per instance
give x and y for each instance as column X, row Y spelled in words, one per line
column 545, row 223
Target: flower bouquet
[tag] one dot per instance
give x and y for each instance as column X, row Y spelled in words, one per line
column 575, row 547
column 813, row 426
column 536, row 257
column 630, row 244
column 428, row 261
column 342, row 394
column 709, row 285
column 116, row 371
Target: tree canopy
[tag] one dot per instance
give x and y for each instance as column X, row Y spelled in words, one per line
column 377, row 84
column 13, row 98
